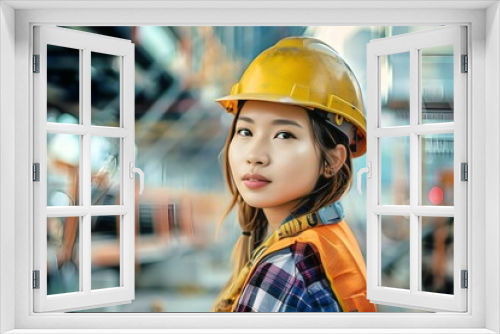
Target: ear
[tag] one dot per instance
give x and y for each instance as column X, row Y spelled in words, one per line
column 336, row 159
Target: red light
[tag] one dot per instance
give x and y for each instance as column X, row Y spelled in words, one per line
column 436, row 195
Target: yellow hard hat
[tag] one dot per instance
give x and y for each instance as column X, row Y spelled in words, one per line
column 306, row 72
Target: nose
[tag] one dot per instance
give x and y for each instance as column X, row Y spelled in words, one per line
column 257, row 155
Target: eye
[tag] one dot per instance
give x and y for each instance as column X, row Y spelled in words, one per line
column 244, row 132
column 284, row 135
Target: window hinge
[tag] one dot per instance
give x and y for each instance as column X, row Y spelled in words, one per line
column 36, row 63
column 465, row 279
column 36, row 172
column 36, row 279
column 465, row 171
column 465, row 64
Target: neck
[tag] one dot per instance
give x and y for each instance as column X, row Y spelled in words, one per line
column 276, row 215
column 274, row 219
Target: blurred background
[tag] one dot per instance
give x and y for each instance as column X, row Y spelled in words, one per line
column 181, row 262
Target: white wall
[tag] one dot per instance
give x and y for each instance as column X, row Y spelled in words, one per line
column 7, row 160
column 489, row 152
column 492, row 162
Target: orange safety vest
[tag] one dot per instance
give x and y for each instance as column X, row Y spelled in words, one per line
column 341, row 259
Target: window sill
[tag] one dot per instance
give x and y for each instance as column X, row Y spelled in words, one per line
column 260, row 331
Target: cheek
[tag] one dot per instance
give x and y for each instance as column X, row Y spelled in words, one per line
column 309, row 157
column 302, row 165
column 232, row 155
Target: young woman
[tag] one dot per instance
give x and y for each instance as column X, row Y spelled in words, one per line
column 287, row 159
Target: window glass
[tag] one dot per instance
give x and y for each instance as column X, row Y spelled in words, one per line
column 105, row 167
column 63, row 255
column 106, row 89
column 395, row 89
column 437, row 84
column 395, row 252
column 437, row 169
column 63, row 85
column 63, row 169
column 395, row 170
column 437, row 254
column 105, row 252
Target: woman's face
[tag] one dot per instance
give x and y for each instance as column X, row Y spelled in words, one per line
column 274, row 161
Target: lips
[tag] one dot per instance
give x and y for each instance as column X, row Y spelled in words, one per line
column 255, row 181
column 255, row 177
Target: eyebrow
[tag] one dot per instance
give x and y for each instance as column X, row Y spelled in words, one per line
column 275, row 122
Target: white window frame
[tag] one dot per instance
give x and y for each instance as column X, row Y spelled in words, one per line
column 123, row 51
column 16, row 21
column 413, row 44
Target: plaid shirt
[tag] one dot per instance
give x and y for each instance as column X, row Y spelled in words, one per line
column 289, row 280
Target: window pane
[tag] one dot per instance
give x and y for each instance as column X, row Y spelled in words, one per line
column 63, row 85
column 105, row 244
column 395, row 251
column 437, row 84
column 395, row 170
column 63, row 262
column 437, row 254
column 395, row 89
column 437, row 169
column 105, row 167
column 105, row 89
column 63, row 169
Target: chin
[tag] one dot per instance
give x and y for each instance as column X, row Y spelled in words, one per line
column 258, row 202
column 255, row 202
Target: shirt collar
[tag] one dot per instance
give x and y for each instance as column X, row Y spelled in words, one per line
column 328, row 215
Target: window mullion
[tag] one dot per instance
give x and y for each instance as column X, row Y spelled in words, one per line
column 108, row 210
column 63, row 128
column 414, row 170
column 86, row 112
column 421, row 210
column 109, row 132
column 85, row 273
column 436, row 128
column 67, row 211
column 86, row 167
column 396, row 131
